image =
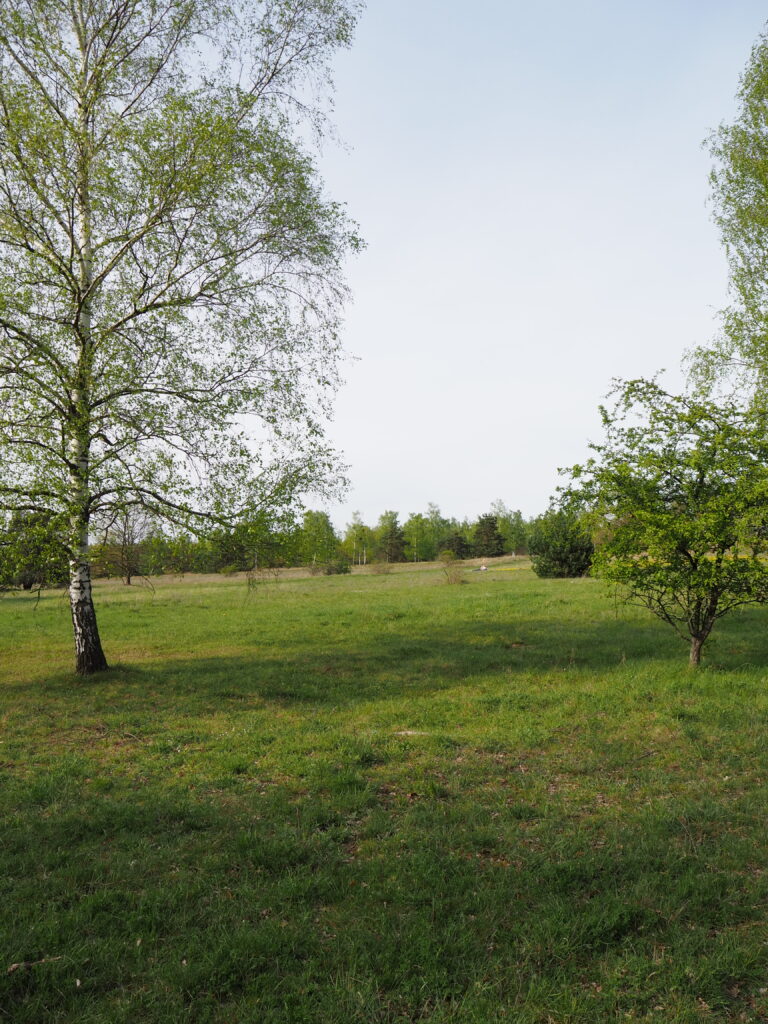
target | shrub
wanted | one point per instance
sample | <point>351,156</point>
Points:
<point>677,497</point>
<point>337,567</point>
<point>451,567</point>
<point>559,545</point>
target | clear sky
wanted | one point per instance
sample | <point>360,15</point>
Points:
<point>531,183</point>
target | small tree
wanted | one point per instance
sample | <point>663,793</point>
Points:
<point>120,553</point>
<point>451,567</point>
<point>389,538</point>
<point>319,543</point>
<point>487,541</point>
<point>678,497</point>
<point>560,545</point>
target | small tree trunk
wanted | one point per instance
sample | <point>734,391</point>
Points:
<point>697,642</point>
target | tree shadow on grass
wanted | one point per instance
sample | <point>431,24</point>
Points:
<point>156,903</point>
<point>415,661</point>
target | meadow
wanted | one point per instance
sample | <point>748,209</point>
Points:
<point>380,799</point>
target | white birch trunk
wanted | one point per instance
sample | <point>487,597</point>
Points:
<point>89,656</point>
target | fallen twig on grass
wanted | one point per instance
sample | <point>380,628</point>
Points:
<point>33,963</point>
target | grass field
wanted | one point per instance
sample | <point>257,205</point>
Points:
<point>379,799</point>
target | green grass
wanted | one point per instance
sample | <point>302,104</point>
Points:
<point>381,799</point>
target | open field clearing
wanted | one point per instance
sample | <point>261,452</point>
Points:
<point>379,799</point>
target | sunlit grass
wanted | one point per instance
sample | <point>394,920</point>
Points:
<point>381,799</point>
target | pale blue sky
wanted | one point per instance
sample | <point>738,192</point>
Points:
<point>532,186</point>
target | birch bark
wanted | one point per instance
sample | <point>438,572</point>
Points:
<point>89,655</point>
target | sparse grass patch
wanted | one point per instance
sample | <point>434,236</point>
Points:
<point>381,799</point>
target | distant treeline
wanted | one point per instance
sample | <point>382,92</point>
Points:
<point>132,545</point>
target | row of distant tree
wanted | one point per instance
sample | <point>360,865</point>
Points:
<point>423,535</point>
<point>132,544</point>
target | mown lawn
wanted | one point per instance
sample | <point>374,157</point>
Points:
<point>381,799</point>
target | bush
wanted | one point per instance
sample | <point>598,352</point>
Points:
<point>559,545</point>
<point>451,567</point>
<point>337,567</point>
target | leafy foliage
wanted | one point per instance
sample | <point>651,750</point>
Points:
<point>739,181</point>
<point>33,553</point>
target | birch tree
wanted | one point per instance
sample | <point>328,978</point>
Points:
<point>169,263</point>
